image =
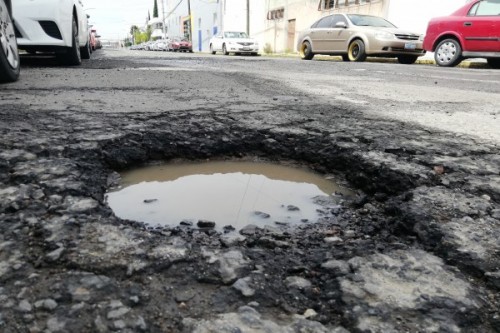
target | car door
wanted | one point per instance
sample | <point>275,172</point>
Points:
<point>217,43</point>
<point>320,34</point>
<point>339,35</point>
<point>480,28</point>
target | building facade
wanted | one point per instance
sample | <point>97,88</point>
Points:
<point>277,23</point>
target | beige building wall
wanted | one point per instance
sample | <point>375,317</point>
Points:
<point>301,14</point>
<point>407,14</point>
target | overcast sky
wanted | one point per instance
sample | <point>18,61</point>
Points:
<point>113,18</point>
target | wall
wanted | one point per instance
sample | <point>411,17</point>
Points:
<point>205,20</point>
<point>414,15</point>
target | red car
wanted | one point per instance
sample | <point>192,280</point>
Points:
<point>180,44</point>
<point>473,31</point>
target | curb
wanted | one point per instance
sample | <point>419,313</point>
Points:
<point>463,64</point>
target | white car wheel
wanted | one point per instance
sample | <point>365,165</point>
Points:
<point>9,55</point>
<point>72,56</point>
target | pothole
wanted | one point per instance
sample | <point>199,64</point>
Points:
<point>224,195</point>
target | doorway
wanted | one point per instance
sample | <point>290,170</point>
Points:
<point>291,36</point>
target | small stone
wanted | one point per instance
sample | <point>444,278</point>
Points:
<point>186,223</point>
<point>147,201</point>
<point>141,324</point>
<point>99,325</point>
<point>338,266</point>
<point>243,285</point>
<point>119,324</point>
<point>297,282</point>
<point>292,208</point>
<point>439,169</point>
<point>232,239</point>
<point>310,313</point>
<point>54,325</point>
<point>182,305</point>
<point>205,224</point>
<point>334,240</point>
<point>134,299</point>
<point>349,234</point>
<point>25,306</point>
<point>184,296</point>
<point>47,304</point>
<point>262,215</point>
<point>114,314</point>
<point>55,255</point>
<point>249,230</point>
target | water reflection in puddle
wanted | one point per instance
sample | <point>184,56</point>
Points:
<point>227,193</point>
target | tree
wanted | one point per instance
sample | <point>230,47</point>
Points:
<point>133,30</point>
<point>155,9</point>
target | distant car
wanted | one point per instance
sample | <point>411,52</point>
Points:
<point>473,31</point>
<point>161,45</point>
<point>58,26</point>
<point>93,40</point>
<point>9,55</point>
<point>356,37</point>
<point>180,44</point>
<point>233,41</point>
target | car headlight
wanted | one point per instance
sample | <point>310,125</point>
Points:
<point>421,38</point>
<point>384,35</point>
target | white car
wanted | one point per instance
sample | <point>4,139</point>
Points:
<point>235,42</point>
<point>58,26</point>
<point>9,56</point>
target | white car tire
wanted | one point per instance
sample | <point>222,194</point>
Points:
<point>9,55</point>
<point>72,56</point>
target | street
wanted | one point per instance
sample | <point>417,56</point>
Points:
<point>416,250</point>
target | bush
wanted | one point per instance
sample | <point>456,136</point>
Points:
<point>268,49</point>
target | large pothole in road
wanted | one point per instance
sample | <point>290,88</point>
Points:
<point>225,195</point>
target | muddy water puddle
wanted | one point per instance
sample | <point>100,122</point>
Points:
<point>227,193</point>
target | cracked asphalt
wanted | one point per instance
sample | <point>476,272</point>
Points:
<point>416,250</point>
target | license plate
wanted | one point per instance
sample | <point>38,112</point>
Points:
<point>410,46</point>
<point>246,49</point>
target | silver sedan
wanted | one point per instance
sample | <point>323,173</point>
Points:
<point>355,37</point>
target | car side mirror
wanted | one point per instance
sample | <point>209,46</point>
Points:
<point>341,25</point>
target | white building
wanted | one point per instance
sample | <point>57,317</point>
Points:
<point>205,20</point>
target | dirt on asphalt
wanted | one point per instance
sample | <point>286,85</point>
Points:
<point>416,250</point>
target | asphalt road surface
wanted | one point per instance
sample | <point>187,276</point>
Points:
<point>416,250</point>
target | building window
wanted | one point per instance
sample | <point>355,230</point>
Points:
<point>331,4</point>
<point>276,14</point>
<point>327,4</point>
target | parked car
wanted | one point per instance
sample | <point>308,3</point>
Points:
<point>473,31</point>
<point>234,41</point>
<point>9,55</point>
<point>93,39</point>
<point>180,44</point>
<point>161,45</point>
<point>355,37</point>
<point>58,26</point>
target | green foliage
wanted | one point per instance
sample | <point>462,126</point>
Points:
<point>268,49</point>
<point>134,29</point>
<point>141,36</point>
<point>155,9</point>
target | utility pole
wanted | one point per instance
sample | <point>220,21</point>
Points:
<point>222,12</point>
<point>248,17</point>
<point>190,22</point>
<point>163,18</point>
